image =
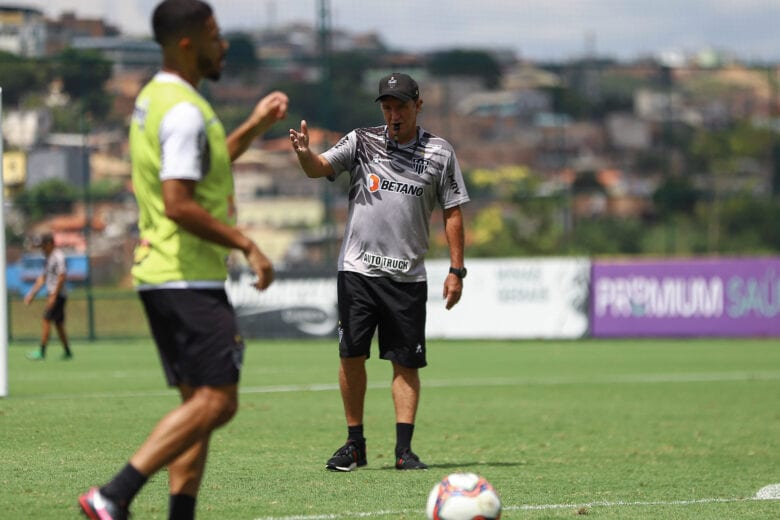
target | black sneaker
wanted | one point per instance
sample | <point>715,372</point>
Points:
<point>408,460</point>
<point>348,457</point>
<point>97,507</point>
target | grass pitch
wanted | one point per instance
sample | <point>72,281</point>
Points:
<point>683,429</point>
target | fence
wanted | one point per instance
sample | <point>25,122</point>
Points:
<point>510,298</point>
<point>102,315</point>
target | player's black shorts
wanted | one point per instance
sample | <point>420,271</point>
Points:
<point>397,309</point>
<point>196,335</point>
<point>57,311</point>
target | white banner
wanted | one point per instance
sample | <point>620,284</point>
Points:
<point>502,299</point>
<point>297,307</point>
<point>512,299</point>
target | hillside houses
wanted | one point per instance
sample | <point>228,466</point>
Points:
<point>614,120</point>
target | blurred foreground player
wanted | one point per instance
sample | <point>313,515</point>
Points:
<point>183,182</point>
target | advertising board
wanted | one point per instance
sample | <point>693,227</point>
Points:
<point>512,299</point>
<point>698,297</point>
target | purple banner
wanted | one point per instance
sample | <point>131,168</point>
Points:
<point>708,297</point>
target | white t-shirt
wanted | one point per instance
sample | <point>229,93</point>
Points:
<point>182,138</point>
<point>55,266</point>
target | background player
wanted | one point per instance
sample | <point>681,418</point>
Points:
<point>53,277</point>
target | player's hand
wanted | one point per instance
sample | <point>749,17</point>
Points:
<point>269,110</point>
<point>453,288</point>
<point>261,266</point>
<point>27,299</point>
<point>300,140</point>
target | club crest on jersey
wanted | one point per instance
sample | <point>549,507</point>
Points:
<point>420,165</point>
<point>376,183</point>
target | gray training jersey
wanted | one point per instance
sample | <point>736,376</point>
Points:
<point>54,267</point>
<point>392,192</point>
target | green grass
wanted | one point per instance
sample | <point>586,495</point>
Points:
<point>685,429</point>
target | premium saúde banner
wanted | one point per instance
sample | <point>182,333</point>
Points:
<point>692,297</point>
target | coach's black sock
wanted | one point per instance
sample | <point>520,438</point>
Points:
<point>403,437</point>
<point>355,433</point>
<point>43,349</point>
<point>67,349</point>
<point>181,507</point>
<point>125,485</point>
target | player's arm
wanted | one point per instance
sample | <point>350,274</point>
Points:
<point>34,289</point>
<point>314,165</point>
<point>181,140</point>
<point>453,230</point>
<point>269,110</point>
<point>182,208</point>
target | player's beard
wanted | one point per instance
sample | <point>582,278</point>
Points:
<point>210,69</point>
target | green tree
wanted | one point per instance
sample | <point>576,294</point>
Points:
<point>676,195</point>
<point>607,236</point>
<point>466,63</point>
<point>720,152</point>
<point>46,198</point>
<point>348,106</point>
<point>241,59</point>
<point>518,220</point>
<point>568,101</point>
<point>587,182</point>
<point>84,75</point>
<point>750,225</point>
<point>20,77</point>
<point>106,189</point>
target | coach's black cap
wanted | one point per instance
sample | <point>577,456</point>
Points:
<point>400,86</point>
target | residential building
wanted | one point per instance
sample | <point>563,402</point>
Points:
<point>22,31</point>
<point>62,32</point>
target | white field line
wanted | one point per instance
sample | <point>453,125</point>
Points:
<point>686,377</point>
<point>528,507</point>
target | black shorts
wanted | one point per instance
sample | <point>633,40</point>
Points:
<point>397,309</point>
<point>196,335</point>
<point>57,312</point>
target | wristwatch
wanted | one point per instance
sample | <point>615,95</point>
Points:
<point>459,272</point>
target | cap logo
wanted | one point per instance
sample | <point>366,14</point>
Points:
<point>392,82</point>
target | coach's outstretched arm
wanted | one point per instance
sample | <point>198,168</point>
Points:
<point>315,166</point>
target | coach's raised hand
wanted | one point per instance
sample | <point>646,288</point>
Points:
<point>300,140</point>
<point>314,166</point>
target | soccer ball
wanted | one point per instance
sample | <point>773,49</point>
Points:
<point>463,496</point>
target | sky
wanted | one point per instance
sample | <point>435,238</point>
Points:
<point>533,29</point>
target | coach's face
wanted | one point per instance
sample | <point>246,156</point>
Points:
<point>400,117</point>
<point>211,49</point>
